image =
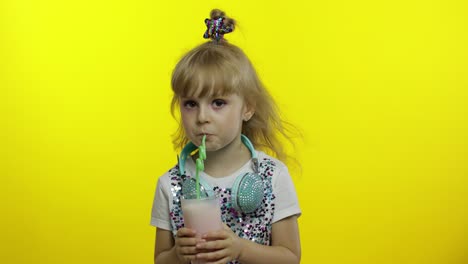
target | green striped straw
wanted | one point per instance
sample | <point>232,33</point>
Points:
<point>199,164</point>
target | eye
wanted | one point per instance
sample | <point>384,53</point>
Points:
<point>189,104</point>
<point>219,103</point>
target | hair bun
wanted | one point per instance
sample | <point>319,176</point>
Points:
<point>218,25</point>
<point>217,13</point>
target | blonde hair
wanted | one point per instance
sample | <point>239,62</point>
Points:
<point>220,68</point>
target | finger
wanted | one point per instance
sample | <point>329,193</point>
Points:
<point>188,241</point>
<point>214,235</point>
<point>212,245</point>
<point>213,256</point>
<point>186,232</point>
<point>188,251</point>
<point>189,258</point>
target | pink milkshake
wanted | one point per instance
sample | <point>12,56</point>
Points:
<point>202,215</point>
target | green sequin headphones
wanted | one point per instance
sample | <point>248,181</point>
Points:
<point>247,190</point>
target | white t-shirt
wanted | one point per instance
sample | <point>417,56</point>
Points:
<point>286,202</point>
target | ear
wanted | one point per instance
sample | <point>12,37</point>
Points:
<point>249,111</point>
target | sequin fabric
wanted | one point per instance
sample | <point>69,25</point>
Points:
<point>215,28</point>
<point>255,226</point>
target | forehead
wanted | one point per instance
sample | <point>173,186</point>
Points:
<point>206,89</point>
<point>207,80</point>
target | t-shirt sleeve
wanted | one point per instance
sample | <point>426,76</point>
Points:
<point>286,202</point>
<point>160,211</point>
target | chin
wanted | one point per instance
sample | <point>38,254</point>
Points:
<point>210,147</point>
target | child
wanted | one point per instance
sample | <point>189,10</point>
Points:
<point>220,96</point>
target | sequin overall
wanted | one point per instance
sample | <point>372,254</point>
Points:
<point>255,226</point>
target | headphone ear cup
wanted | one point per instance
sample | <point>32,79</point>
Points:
<point>247,192</point>
<point>189,188</point>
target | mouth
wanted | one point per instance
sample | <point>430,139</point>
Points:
<point>207,138</point>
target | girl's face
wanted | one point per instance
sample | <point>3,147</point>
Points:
<point>219,118</point>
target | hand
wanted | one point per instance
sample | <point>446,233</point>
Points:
<point>185,243</point>
<point>220,246</point>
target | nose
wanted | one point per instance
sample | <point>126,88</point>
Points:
<point>203,114</point>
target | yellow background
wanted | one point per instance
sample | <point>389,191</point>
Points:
<point>378,88</point>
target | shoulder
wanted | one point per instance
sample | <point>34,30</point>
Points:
<point>279,171</point>
<point>279,165</point>
<point>165,179</point>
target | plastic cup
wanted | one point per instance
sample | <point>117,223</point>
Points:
<point>202,215</point>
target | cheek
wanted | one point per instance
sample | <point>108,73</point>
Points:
<point>185,113</point>
<point>234,119</point>
<point>185,119</point>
